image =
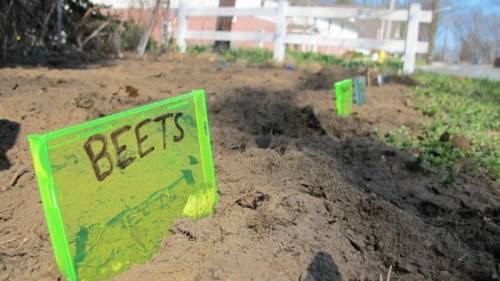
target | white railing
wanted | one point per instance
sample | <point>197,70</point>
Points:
<point>411,46</point>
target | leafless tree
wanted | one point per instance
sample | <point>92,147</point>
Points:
<point>31,24</point>
<point>477,34</point>
<point>224,24</point>
<point>147,32</point>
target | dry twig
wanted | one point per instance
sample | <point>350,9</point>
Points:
<point>10,240</point>
<point>6,209</point>
<point>15,178</point>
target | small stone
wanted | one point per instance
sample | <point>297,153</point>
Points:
<point>379,246</point>
<point>428,243</point>
<point>394,169</point>
<point>305,276</point>
<point>389,260</point>
<point>444,275</point>
<point>335,213</point>
<point>370,239</point>
<point>406,267</point>
<point>439,249</point>
<point>424,271</point>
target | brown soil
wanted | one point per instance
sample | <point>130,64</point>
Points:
<point>304,194</point>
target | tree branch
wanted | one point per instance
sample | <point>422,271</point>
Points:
<point>29,13</point>
<point>94,33</point>
<point>145,36</point>
<point>46,21</point>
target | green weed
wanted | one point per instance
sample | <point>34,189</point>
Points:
<point>355,63</point>
<point>457,106</point>
<point>253,56</point>
<point>198,49</point>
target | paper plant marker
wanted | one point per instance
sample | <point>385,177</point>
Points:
<point>112,187</point>
<point>360,90</point>
<point>343,93</point>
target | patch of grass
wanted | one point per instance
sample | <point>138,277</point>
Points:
<point>310,58</point>
<point>355,63</point>
<point>198,49</point>
<point>254,56</point>
<point>458,106</point>
<point>420,62</point>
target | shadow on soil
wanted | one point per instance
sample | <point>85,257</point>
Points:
<point>270,119</point>
<point>8,134</point>
<point>56,60</point>
<point>323,268</point>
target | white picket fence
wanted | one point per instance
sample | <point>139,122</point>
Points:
<point>411,46</point>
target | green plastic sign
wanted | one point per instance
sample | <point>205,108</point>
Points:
<point>360,90</point>
<point>343,94</point>
<point>111,187</point>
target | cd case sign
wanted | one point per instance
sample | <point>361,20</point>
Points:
<point>111,187</point>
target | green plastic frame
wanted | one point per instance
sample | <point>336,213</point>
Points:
<point>343,93</point>
<point>93,216</point>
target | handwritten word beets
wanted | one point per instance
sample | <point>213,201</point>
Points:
<point>122,162</point>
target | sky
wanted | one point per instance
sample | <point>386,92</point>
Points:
<point>490,6</point>
<point>458,7</point>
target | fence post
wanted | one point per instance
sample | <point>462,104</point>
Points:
<point>281,27</point>
<point>182,29</point>
<point>411,38</point>
<point>260,43</point>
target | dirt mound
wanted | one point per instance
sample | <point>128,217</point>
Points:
<point>304,194</point>
<point>327,76</point>
<point>269,117</point>
<point>405,80</point>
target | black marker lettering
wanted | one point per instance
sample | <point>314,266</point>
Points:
<point>95,158</point>
<point>162,118</point>
<point>120,148</point>
<point>142,139</point>
<point>181,130</point>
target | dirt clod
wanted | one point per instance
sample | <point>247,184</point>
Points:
<point>459,141</point>
<point>132,91</point>
<point>252,200</point>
